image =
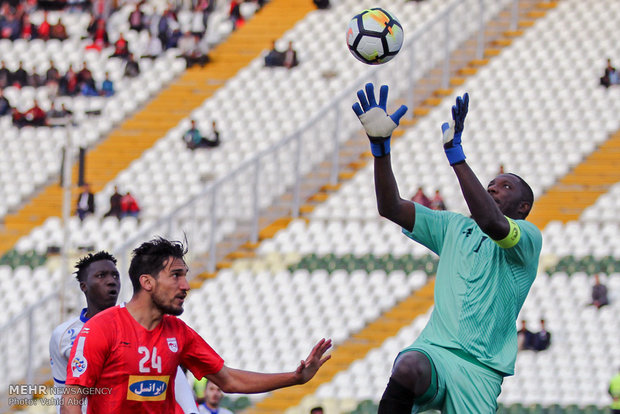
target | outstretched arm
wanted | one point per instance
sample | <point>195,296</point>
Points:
<point>483,208</point>
<point>232,380</point>
<point>379,127</point>
<point>389,202</point>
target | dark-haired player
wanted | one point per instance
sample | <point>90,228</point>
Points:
<point>134,350</point>
<point>487,264</point>
<point>99,280</point>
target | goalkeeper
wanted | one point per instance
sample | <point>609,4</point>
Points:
<point>487,264</point>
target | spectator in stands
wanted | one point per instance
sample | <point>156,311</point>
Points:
<point>5,75</point>
<point>235,15</point>
<point>137,19</point>
<point>9,27</point>
<point>173,38</point>
<point>212,400</point>
<point>191,51</point>
<point>129,206</point>
<point>44,28</point>
<point>115,205</point>
<point>316,410</point>
<point>99,34</point>
<point>525,337</point>
<point>5,105</point>
<point>58,31</point>
<point>102,8</point>
<point>205,7</point>
<point>322,4</point>
<point>121,47</point>
<point>35,116</point>
<point>610,76</point>
<point>501,169</point>
<point>167,25</point>
<point>290,57</point>
<point>542,338</point>
<point>614,392</point>
<point>17,118</point>
<point>193,138</point>
<point>59,117</point>
<point>213,137</point>
<point>154,47</point>
<point>85,202</point>
<point>132,68</point>
<point>28,30</point>
<point>86,81</point>
<point>198,23</point>
<point>599,293</point>
<point>437,202</point>
<point>35,79</point>
<point>107,86</point>
<point>20,77</point>
<point>52,79</point>
<point>421,198</point>
<point>69,84</point>
<point>274,57</point>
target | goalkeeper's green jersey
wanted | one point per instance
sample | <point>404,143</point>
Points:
<point>480,286</point>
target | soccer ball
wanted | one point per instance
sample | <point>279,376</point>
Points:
<point>374,36</point>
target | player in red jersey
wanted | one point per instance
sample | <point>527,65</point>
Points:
<point>125,358</point>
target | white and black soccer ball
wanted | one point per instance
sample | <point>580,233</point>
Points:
<point>374,36</point>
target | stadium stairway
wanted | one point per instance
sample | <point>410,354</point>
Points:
<point>145,127</point>
<point>580,188</point>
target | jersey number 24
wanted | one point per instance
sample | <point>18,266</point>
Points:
<point>155,360</point>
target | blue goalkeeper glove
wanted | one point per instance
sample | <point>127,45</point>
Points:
<point>452,132</point>
<point>375,120</point>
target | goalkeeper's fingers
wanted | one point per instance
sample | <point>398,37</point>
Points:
<point>398,114</point>
<point>370,94</point>
<point>383,95</point>
<point>357,109</point>
<point>363,101</point>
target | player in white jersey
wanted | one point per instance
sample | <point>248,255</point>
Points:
<point>100,281</point>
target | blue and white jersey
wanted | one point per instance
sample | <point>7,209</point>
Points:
<point>60,348</point>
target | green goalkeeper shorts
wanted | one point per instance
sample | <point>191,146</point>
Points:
<point>459,383</point>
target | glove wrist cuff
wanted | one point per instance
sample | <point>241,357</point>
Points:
<point>381,148</point>
<point>455,155</point>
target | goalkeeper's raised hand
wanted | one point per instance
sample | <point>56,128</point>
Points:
<point>452,131</point>
<point>377,123</point>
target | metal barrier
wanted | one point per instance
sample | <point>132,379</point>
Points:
<point>24,341</point>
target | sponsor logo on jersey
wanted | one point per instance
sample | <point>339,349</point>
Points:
<point>172,344</point>
<point>147,388</point>
<point>78,365</point>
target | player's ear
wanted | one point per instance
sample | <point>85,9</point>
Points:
<point>83,286</point>
<point>524,208</point>
<point>146,281</point>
